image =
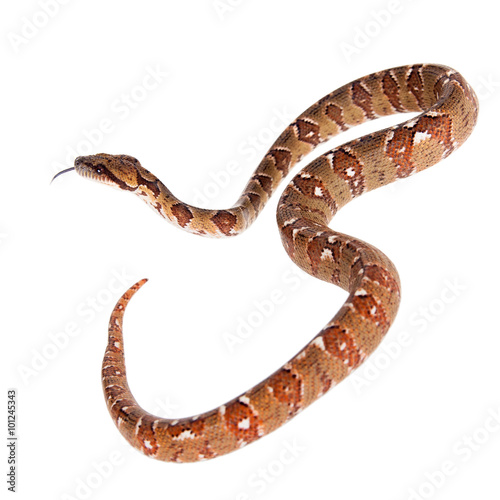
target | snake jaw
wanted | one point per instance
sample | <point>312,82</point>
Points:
<point>101,168</point>
<point>87,174</point>
<point>88,167</point>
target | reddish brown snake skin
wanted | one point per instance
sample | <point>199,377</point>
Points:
<point>448,109</point>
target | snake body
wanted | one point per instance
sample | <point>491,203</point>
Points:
<point>448,109</point>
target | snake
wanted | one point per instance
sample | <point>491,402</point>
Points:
<point>446,108</point>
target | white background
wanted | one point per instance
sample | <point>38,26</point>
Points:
<point>227,72</point>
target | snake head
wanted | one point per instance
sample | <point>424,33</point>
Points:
<point>120,171</point>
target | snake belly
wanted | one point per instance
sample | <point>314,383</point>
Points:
<point>448,111</point>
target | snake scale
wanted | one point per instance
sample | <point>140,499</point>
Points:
<point>448,109</point>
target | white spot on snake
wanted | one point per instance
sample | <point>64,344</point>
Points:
<point>245,400</point>
<point>244,424</point>
<point>373,310</point>
<point>326,254</point>
<point>117,344</point>
<point>361,292</point>
<point>187,434</point>
<point>290,221</point>
<point>343,346</point>
<point>318,342</point>
<point>222,409</point>
<point>318,191</point>
<point>137,426</point>
<point>420,136</point>
<point>410,123</point>
<point>148,444</point>
<point>350,172</point>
